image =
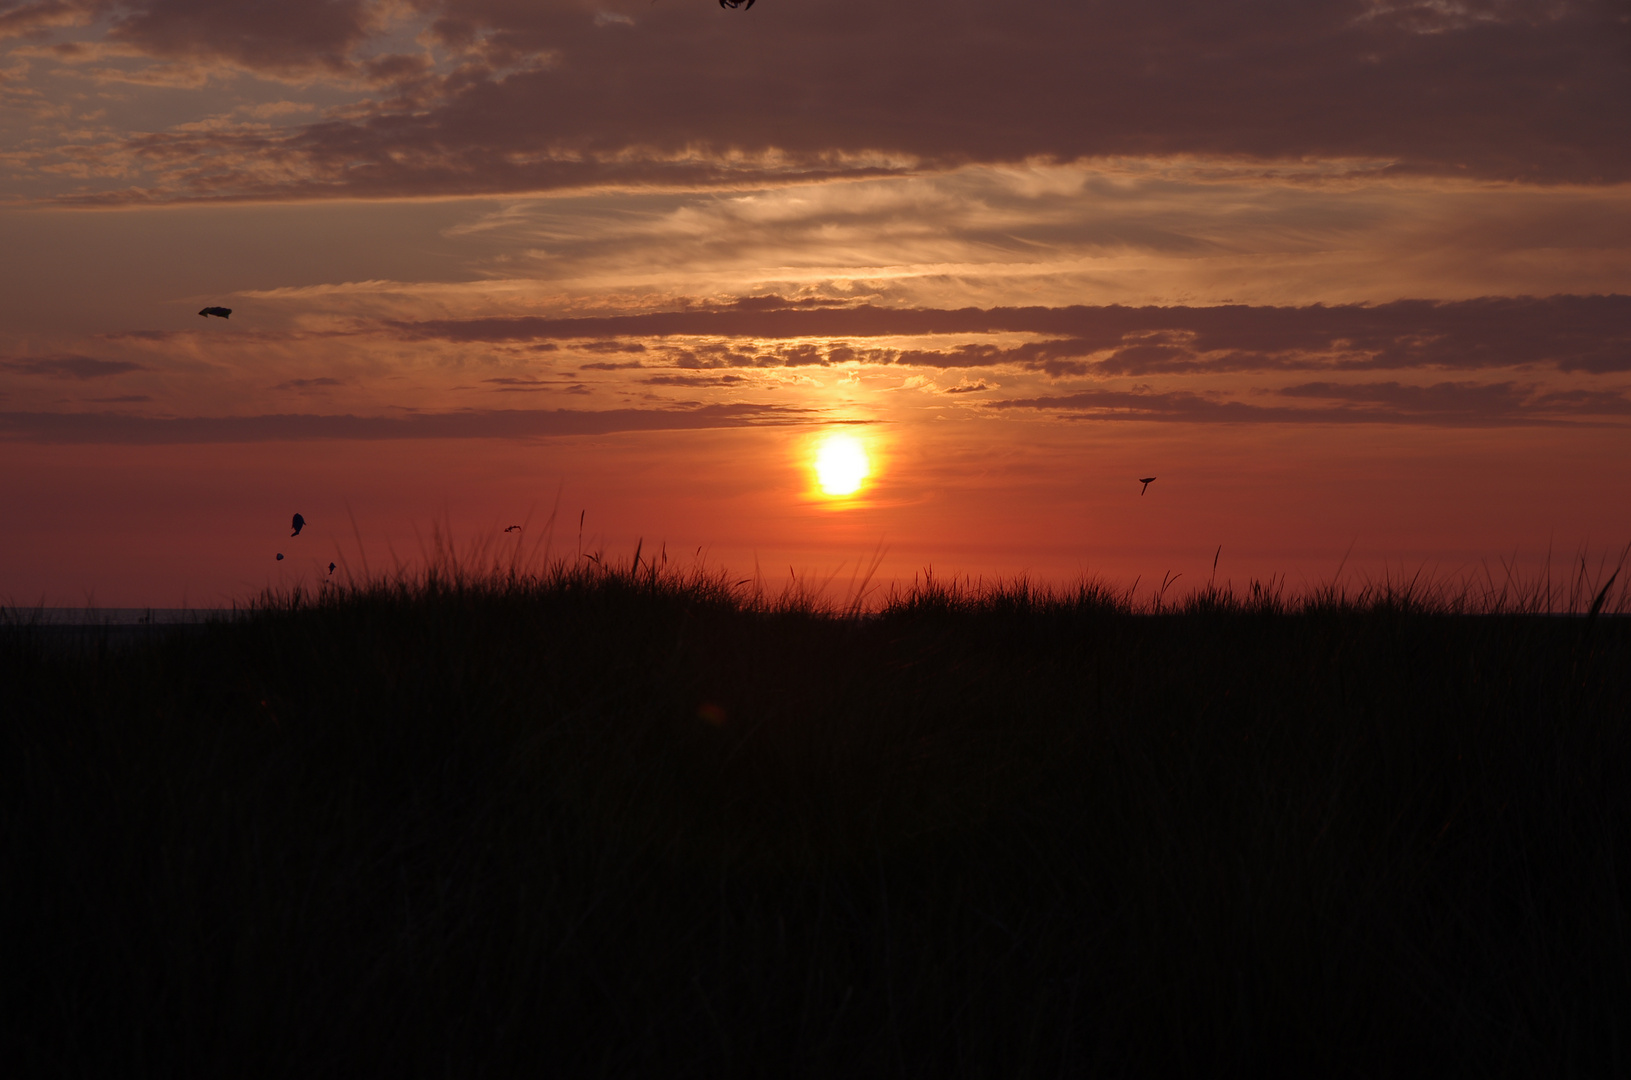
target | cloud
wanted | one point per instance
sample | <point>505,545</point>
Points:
<point>694,380</point>
<point>1462,404</point>
<point>307,384</point>
<point>71,367</point>
<point>560,94</point>
<point>610,347</point>
<point>514,385</point>
<point>287,36</point>
<point>114,428</point>
<point>1486,399</point>
<point>23,19</point>
<point>1569,333</point>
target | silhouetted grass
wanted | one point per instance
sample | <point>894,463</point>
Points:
<point>625,820</point>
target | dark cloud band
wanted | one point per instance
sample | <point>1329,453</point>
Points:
<point>44,427</point>
<point>1568,333</point>
<point>557,94</point>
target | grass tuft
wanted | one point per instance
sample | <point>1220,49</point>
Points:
<point>508,811</point>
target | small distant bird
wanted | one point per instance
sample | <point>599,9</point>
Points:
<point>280,556</point>
<point>512,528</point>
<point>1146,481</point>
<point>331,568</point>
<point>734,4</point>
<point>223,312</point>
<point>298,523</point>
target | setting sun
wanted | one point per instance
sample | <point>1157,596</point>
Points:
<point>841,464</point>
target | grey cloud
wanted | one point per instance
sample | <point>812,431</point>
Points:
<point>1445,397</point>
<point>610,347</point>
<point>1569,333</point>
<point>307,384</point>
<point>1590,402</point>
<point>694,380</point>
<point>1440,405</point>
<point>563,388</point>
<point>540,97</point>
<point>113,428</point>
<point>71,367</point>
<point>288,35</point>
<point>1488,399</point>
<point>514,385</point>
<point>22,19</point>
<point>1178,405</point>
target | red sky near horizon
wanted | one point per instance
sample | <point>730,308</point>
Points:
<point>1352,279</point>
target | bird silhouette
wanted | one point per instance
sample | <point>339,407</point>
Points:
<point>298,523</point>
<point>512,528</point>
<point>223,312</point>
<point>331,568</point>
<point>1146,481</point>
<point>734,4</point>
<point>280,556</point>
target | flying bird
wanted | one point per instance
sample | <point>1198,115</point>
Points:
<point>512,528</point>
<point>1146,481</point>
<point>331,569</point>
<point>280,556</point>
<point>298,523</point>
<point>223,312</point>
<point>734,4</point>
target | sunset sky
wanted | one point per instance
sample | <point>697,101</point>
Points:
<point>1351,279</point>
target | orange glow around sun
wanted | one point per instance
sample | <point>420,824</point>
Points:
<point>841,465</point>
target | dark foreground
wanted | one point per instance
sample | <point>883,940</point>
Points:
<point>605,827</point>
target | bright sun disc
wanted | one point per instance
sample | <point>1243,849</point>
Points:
<point>841,465</point>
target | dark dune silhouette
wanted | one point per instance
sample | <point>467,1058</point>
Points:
<point>223,312</point>
<point>1146,481</point>
<point>298,523</point>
